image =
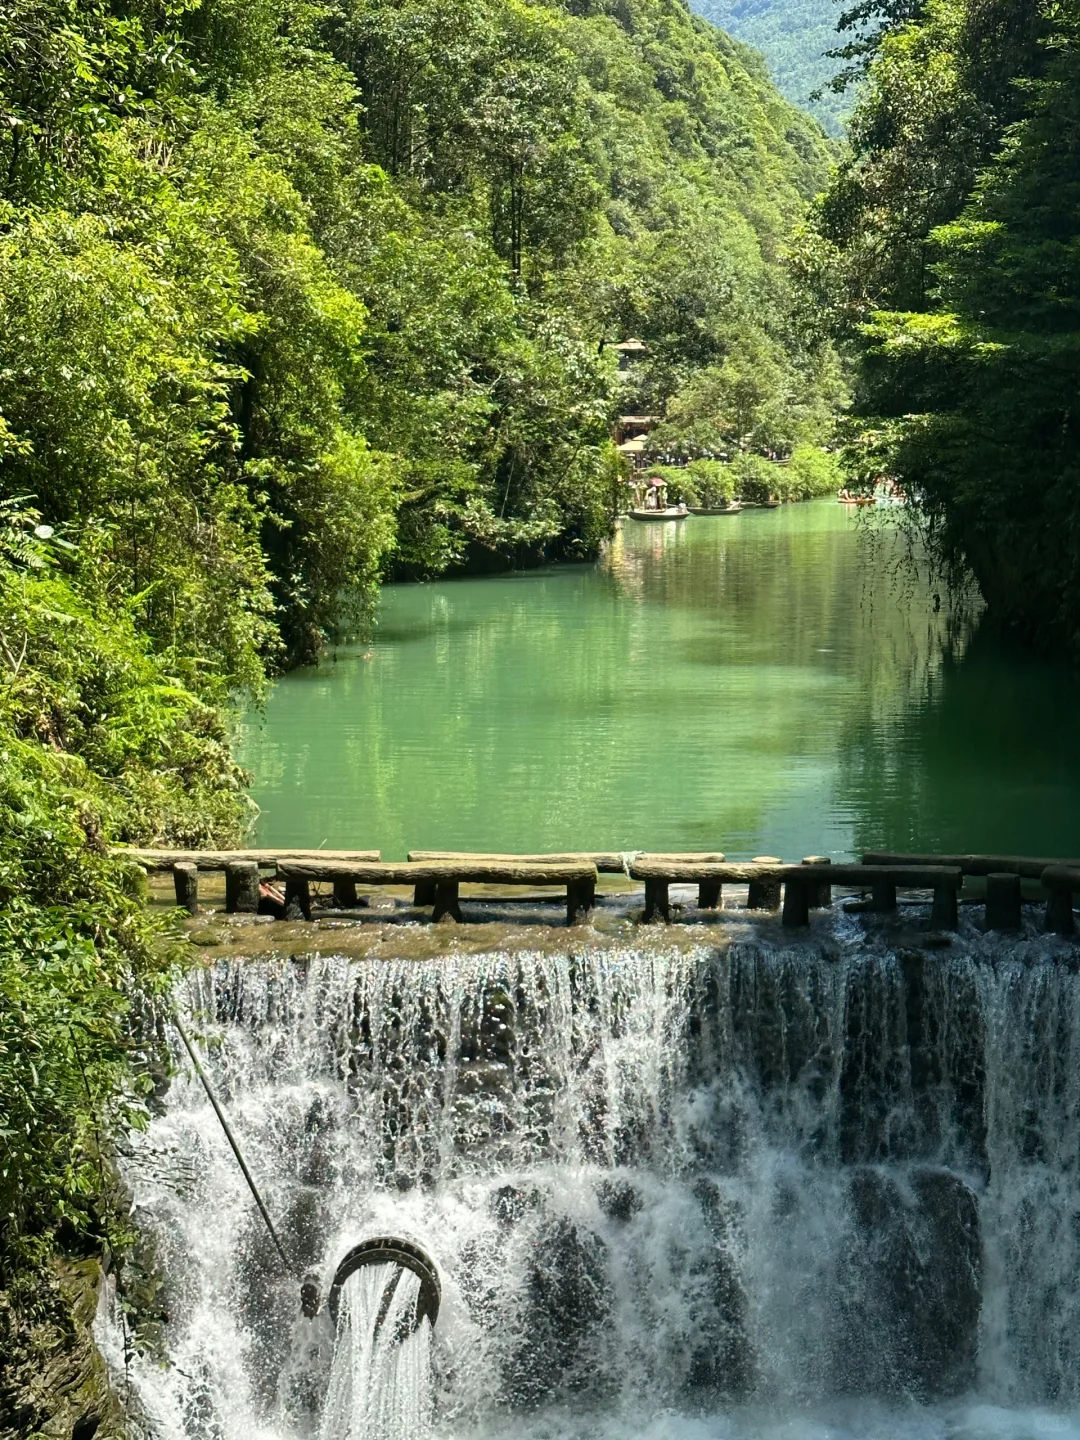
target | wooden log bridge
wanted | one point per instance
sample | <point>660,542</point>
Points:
<point>436,882</point>
<point>805,885</point>
<point>436,877</point>
<point>606,862</point>
<point>242,872</point>
<point>1060,880</point>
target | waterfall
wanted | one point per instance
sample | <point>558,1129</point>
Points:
<point>815,1189</point>
<point>380,1383</point>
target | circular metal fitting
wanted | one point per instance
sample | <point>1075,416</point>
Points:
<point>389,1251</point>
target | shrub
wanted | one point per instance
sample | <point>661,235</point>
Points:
<point>813,472</point>
<point>756,479</point>
<point>713,482</point>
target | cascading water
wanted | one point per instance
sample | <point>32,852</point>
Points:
<point>380,1382</point>
<point>816,1189</point>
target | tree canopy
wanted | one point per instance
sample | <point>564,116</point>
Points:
<point>296,295</point>
<point>945,255</point>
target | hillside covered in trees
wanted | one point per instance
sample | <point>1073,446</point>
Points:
<point>945,255</point>
<point>293,297</point>
<point>330,289</point>
<point>795,36</point>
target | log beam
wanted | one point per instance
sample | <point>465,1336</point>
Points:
<point>165,860</point>
<point>1025,866</point>
<point>607,862</point>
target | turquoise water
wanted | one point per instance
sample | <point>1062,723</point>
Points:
<point>775,682</point>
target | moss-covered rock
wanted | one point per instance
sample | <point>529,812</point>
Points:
<point>53,1379</point>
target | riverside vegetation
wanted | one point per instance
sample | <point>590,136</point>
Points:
<point>945,255</point>
<point>294,296</point>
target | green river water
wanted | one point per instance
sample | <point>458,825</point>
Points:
<point>767,683</point>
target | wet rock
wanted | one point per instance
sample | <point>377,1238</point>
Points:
<point>779,1021</point>
<point>53,1381</point>
<point>200,1414</point>
<point>619,1199</point>
<point>267,1295</point>
<point>721,1359</point>
<point>913,1072</point>
<point>306,1222</point>
<point>508,1205</point>
<point>567,1306</point>
<point>316,1163</point>
<point>911,1286</point>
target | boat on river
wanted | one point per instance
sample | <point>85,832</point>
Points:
<point>733,509</point>
<point>670,512</point>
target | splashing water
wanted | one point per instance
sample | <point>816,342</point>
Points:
<point>380,1384</point>
<point>818,1191</point>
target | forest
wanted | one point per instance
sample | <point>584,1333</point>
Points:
<point>295,297</point>
<point>944,258</point>
<point>299,297</point>
<point>797,38</point>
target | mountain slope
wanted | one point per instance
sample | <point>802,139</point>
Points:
<point>793,35</point>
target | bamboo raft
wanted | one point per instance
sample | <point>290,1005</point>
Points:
<point>435,877</point>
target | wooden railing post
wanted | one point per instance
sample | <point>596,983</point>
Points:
<point>580,899</point>
<point>297,899</point>
<point>884,893</point>
<point>709,894</point>
<point>797,895</point>
<point>820,894</point>
<point>764,892</point>
<point>345,894</point>
<point>1059,882</point>
<point>944,914</point>
<point>657,900</point>
<point>447,901</point>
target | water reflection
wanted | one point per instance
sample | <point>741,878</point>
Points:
<point>763,682</point>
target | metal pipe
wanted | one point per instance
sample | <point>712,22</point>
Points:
<point>231,1139</point>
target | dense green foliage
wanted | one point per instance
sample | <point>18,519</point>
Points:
<point>946,251</point>
<point>761,396</point>
<point>796,38</point>
<point>809,473</point>
<point>294,296</point>
<point>96,741</point>
<point>289,294</point>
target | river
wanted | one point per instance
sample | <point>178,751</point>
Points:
<point>776,682</point>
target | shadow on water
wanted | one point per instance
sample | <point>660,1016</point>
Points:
<point>982,757</point>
